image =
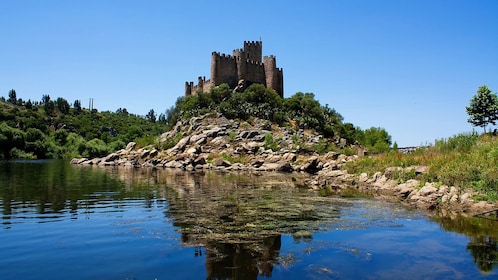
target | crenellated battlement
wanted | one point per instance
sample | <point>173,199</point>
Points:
<point>246,64</point>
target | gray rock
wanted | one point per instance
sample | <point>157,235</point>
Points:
<point>180,146</point>
<point>311,166</point>
<point>198,138</point>
<point>214,132</point>
<point>110,158</point>
<point>427,190</point>
<point>221,162</point>
<point>218,141</point>
<point>130,146</point>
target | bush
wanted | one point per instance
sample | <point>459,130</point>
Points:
<point>95,148</point>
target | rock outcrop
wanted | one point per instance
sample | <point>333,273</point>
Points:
<point>446,200</point>
<point>218,143</point>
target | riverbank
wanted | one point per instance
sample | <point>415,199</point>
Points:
<point>217,143</point>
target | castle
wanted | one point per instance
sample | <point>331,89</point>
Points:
<point>240,70</point>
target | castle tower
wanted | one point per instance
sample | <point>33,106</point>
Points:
<point>254,50</point>
<point>214,68</point>
<point>188,88</point>
<point>271,72</point>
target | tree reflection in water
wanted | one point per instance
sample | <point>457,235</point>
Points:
<point>482,236</point>
<point>239,218</point>
<point>484,250</point>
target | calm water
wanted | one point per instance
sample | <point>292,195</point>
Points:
<point>72,222</point>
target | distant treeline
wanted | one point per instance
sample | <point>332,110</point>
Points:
<point>55,129</point>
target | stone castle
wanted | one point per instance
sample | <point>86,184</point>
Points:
<point>240,70</point>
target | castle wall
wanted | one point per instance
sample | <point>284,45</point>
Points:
<point>224,70</point>
<point>203,85</point>
<point>245,64</point>
<point>255,73</point>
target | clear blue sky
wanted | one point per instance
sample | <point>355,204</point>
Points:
<point>408,66</point>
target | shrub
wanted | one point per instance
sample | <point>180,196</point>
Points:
<point>95,148</point>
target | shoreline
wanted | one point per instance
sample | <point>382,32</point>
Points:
<point>322,172</point>
<point>213,142</point>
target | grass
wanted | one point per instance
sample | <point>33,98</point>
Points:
<point>467,161</point>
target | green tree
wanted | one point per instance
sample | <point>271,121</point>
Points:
<point>151,116</point>
<point>12,96</point>
<point>45,98</point>
<point>77,105</point>
<point>483,108</point>
<point>62,105</point>
<point>29,104</point>
<point>376,139</point>
<point>49,107</point>
<point>162,119</point>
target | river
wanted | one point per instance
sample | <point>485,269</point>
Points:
<point>81,222</point>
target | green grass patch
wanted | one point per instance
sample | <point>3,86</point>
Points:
<point>468,161</point>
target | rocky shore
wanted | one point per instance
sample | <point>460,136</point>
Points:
<point>216,143</point>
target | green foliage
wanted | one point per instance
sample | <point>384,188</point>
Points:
<point>95,148</point>
<point>231,136</point>
<point>170,142</point>
<point>465,161</point>
<point>258,101</point>
<point>270,143</point>
<point>323,146</point>
<point>49,108</point>
<point>77,106</point>
<point>376,140</point>
<point>151,116</point>
<point>483,108</point>
<point>460,143</point>
<point>62,105</point>
<point>65,132</point>
<point>12,96</point>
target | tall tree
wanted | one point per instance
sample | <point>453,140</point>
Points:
<point>151,116</point>
<point>49,108</point>
<point>45,98</point>
<point>483,108</point>
<point>12,96</point>
<point>62,105</point>
<point>77,105</point>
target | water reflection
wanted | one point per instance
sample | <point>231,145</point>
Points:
<point>483,236</point>
<point>239,218</point>
<point>235,221</point>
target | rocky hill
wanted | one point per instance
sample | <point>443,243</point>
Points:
<point>215,142</point>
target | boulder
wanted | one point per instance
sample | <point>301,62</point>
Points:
<point>180,146</point>
<point>130,146</point>
<point>198,139</point>
<point>419,169</point>
<point>110,158</point>
<point>221,162</point>
<point>214,132</point>
<point>427,190</point>
<point>405,189</point>
<point>311,166</point>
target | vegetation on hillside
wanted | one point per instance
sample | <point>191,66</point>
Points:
<point>54,129</point>
<point>301,110</point>
<point>467,161</point>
